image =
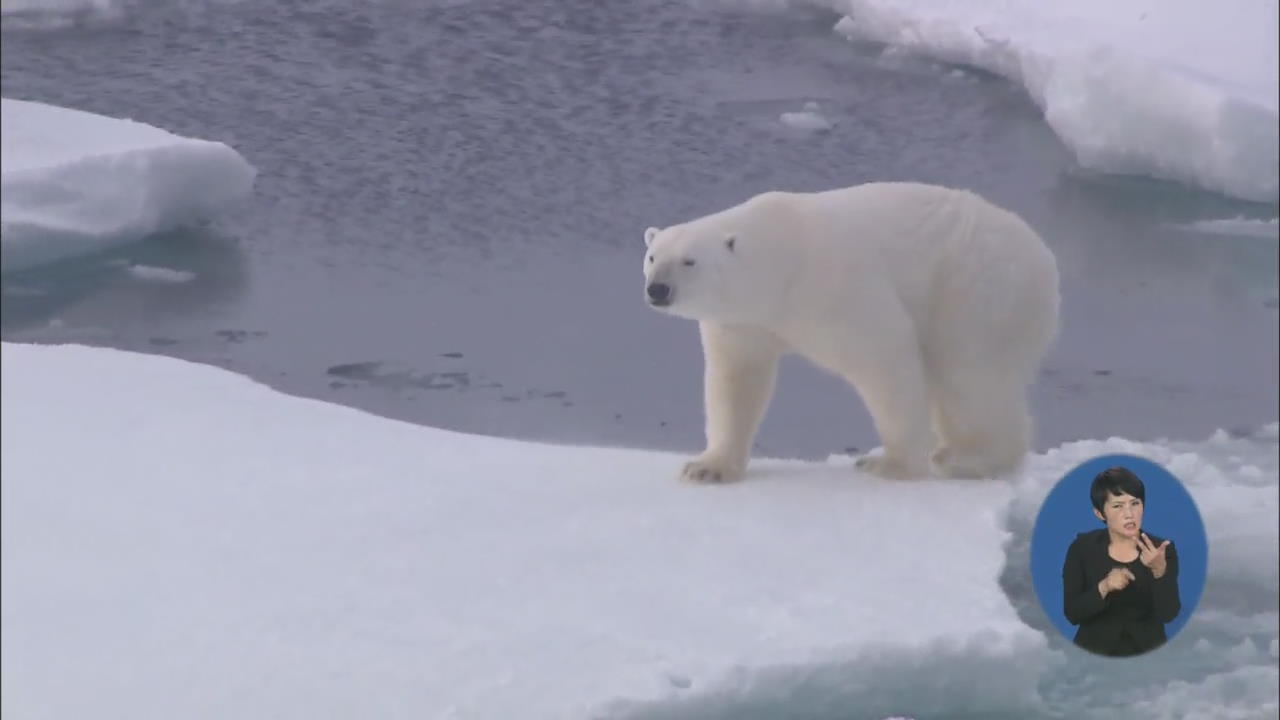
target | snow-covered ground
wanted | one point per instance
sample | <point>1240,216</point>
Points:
<point>76,183</point>
<point>179,541</point>
<point>1175,89</point>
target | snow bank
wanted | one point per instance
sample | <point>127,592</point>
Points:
<point>1175,89</point>
<point>179,541</point>
<point>76,183</point>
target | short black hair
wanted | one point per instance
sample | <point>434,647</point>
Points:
<point>1115,481</point>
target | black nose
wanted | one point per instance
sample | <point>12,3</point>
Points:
<point>659,292</point>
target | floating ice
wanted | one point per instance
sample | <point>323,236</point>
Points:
<point>1175,89</point>
<point>53,14</point>
<point>75,183</point>
<point>809,119</point>
<point>1240,227</point>
<point>22,7</point>
<point>161,274</point>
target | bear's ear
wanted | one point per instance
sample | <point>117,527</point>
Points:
<point>649,235</point>
<point>730,240</point>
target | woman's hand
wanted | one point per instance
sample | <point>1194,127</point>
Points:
<point>1152,556</point>
<point>1118,579</point>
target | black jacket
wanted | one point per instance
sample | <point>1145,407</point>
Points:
<point>1127,622</point>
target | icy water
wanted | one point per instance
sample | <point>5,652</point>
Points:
<point>447,223</point>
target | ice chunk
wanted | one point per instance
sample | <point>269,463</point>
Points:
<point>75,182</point>
<point>809,119</point>
<point>1173,89</point>
<point>53,14</point>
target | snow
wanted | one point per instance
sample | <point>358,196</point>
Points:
<point>181,534</point>
<point>179,541</point>
<point>76,183</point>
<point>1175,89</point>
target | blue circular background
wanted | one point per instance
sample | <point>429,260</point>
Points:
<point>1169,513</point>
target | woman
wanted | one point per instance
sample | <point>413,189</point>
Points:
<point>1120,584</point>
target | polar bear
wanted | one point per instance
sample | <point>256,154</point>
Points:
<point>936,305</point>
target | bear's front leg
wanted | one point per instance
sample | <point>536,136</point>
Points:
<point>739,377</point>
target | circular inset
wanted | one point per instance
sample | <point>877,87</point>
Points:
<point>1119,556</point>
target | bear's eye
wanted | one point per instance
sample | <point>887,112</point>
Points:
<point>650,259</point>
<point>688,262</point>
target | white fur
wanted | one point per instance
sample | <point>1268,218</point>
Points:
<point>936,305</point>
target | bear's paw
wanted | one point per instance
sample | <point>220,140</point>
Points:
<point>710,470</point>
<point>889,468</point>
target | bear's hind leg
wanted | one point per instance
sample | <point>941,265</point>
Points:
<point>893,386</point>
<point>740,374</point>
<point>983,423</point>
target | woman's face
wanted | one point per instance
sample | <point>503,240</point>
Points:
<point>1123,514</point>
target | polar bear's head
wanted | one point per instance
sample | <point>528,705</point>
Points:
<point>714,271</point>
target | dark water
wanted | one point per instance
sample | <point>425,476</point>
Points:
<point>447,223</point>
